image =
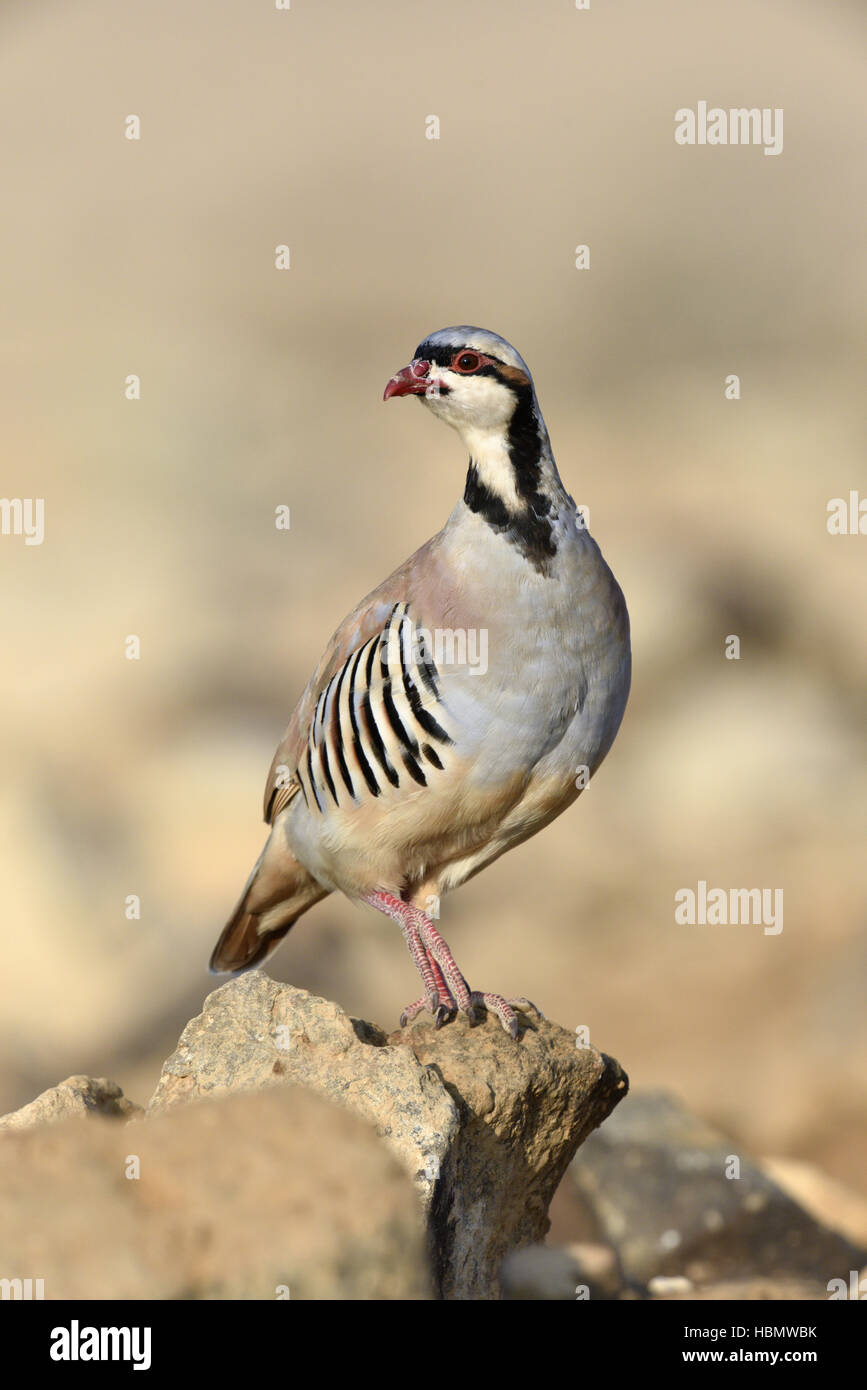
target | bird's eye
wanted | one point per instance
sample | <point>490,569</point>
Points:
<point>466,362</point>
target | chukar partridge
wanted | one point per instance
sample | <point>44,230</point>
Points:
<point>462,705</point>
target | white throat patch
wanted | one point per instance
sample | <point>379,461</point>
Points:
<point>493,464</point>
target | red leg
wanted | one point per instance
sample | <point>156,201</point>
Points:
<point>437,998</point>
<point>446,989</point>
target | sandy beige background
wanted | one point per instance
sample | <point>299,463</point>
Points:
<point>261,387</point>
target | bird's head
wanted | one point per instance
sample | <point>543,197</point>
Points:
<point>470,378</point>
<point>476,382</point>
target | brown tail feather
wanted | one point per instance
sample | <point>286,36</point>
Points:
<point>275,896</point>
<point>243,944</point>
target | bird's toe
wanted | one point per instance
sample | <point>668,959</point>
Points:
<point>441,1006</point>
<point>495,1004</point>
<point>444,1013</point>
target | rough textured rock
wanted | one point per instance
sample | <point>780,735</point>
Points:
<point>255,1032</point>
<point>76,1096</point>
<point>253,1196</point>
<point>561,1273</point>
<point>485,1126</point>
<point>524,1109</point>
<point>656,1178</point>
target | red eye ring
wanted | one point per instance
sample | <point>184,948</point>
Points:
<point>466,362</point>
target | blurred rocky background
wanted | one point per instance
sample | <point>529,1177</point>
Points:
<point>261,387</point>
<point>291,1151</point>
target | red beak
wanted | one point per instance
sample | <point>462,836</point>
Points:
<point>409,381</point>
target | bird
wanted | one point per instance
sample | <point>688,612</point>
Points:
<point>461,706</point>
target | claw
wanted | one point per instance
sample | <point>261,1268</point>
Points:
<point>525,1004</point>
<point>416,1007</point>
<point>443,1011</point>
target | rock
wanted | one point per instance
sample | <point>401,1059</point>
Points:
<point>484,1125</point>
<point>742,1291</point>
<point>254,1032</point>
<point>826,1200</point>
<point>670,1286</point>
<point>561,1274</point>
<point>77,1095</point>
<point>662,1183</point>
<point>266,1196</point>
<point>539,1272</point>
<point>598,1268</point>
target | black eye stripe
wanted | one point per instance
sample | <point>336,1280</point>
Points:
<point>445,356</point>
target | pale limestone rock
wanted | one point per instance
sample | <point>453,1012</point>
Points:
<point>484,1125</point>
<point>77,1095</point>
<point>275,1195</point>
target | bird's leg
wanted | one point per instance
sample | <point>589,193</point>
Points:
<point>447,990</point>
<point>437,998</point>
<point>439,951</point>
<point>443,989</point>
<point>468,1000</point>
<point>441,1004</point>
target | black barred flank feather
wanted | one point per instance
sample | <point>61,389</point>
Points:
<point>371,735</point>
